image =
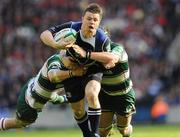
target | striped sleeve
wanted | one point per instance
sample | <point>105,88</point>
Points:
<point>54,62</point>
<point>118,50</point>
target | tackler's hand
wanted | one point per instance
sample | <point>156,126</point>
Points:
<point>80,51</point>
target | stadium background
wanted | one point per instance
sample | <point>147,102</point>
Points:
<point>149,30</point>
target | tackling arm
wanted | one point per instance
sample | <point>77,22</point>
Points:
<point>103,57</point>
<point>56,74</point>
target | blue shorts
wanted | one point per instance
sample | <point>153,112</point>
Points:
<point>75,86</point>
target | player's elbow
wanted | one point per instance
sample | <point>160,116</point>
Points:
<point>44,34</point>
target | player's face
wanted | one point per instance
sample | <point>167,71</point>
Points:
<point>90,23</point>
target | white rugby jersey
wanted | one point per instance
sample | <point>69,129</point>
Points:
<point>40,88</point>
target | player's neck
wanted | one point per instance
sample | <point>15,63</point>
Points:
<point>85,35</point>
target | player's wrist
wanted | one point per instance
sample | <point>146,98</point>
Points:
<point>88,54</point>
<point>70,73</point>
<point>58,45</point>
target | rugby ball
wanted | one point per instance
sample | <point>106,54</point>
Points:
<point>69,35</point>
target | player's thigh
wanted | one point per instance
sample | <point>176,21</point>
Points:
<point>106,119</point>
<point>74,89</point>
<point>23,111</point>
<point>92,84</point>
<point>92,88</point>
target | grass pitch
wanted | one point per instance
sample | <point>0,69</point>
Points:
<point>139,131</point>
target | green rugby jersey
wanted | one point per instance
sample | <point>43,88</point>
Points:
<point>40,88</point>
<point>116,81</point>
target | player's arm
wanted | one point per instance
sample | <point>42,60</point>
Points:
<point>103,57</point>
<point>47,37</point>
<point>119,51</point>
<point>119,54</point>
<point>109,59</point>
<point>56,74</point>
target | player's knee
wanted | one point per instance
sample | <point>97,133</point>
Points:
<point>93,101</point>
<point>92,97</point>
<point>103,132</point>
<point>79,113</point>
<point>92,89</point>
<point>125,130</point>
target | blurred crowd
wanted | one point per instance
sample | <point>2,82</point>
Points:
<point>149,30</point>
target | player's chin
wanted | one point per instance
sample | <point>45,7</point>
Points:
<point>92,32</point>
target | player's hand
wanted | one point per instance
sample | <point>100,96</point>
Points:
<point>109,65</point>
<point>63,44</point>
<point>61,99</point>
<point>80,51</point>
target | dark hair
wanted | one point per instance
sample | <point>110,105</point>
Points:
<point>94,8</point>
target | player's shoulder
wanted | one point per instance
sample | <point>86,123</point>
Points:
<point>102,39</point>
<point>115,44</point>
<point>54,58</point>
<point>101,35</point>
<point>76,25</point>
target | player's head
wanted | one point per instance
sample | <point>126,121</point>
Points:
<point>91,19</point>
<point>94,8</point>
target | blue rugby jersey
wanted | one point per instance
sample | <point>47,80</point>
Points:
<point>100,42</point>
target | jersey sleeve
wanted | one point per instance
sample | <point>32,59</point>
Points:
<point>54,63</point>
<point>57,28</point>
<point>102,41</point>
<point>107,45</point>
<point>119,50</point>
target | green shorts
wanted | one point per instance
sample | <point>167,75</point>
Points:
<point>24,112</point>
<point>122,104</point>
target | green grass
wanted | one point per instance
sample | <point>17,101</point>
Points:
<point>139,131</point>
